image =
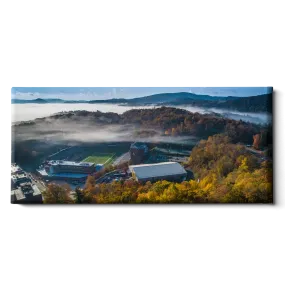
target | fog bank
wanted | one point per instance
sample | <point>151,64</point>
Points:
<point>26,112</point>
<point>55,131</point>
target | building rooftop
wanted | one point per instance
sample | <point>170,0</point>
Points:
<point>46,174</point>
<point>15,168</point>
<point>36,190</point>
<point>23,175</point>
<point>143,171</point>
<point>138,145</point>
<point>19,194</point>
<point>19,177</point>
<point>74,163</point>
<point>25,189</point>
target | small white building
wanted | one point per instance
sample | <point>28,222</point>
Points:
<point>15,169</point>
<point>171,171</point>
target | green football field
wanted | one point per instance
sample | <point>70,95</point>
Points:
<point>100,158</point>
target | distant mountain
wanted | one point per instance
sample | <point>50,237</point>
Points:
<point>172,97</point>
<point>259,103</point>
<point>45,101</point>
<point>54,100</point>
<point>23,101</point>
<point>74,101</point>
<point>110,101</point>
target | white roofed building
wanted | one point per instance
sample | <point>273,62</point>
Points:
<point>15,169</point>
<point>26,193</point>
<point>171,171</point>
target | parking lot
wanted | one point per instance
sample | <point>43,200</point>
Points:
<point>117,175</point>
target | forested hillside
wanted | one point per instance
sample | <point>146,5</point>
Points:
<point>174,121</point>
<point>224,173</point>
<point>165,121</point>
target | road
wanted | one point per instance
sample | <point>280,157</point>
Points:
<point>260,155</point>
<point>40,184</point>
<point>255,151</point>
<point>123,158</point>
<point>115,175</point>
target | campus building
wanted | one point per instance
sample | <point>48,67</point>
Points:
<point>138,152</point>
<point>26,193</point>
<point>18,176</point>
<point>67,170</point>
<point>16,169</point>
<point>170,171</point>
<point>61,166</point>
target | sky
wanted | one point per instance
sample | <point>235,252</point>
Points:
<point>94,93</point>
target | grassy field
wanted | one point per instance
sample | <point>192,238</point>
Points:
<point>101,158</point>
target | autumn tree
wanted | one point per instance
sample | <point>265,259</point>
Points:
<point>57,194</point>
<point>256,141</point>
<point>79,197</point>
<point>87,194</point>
<point>90,182</point>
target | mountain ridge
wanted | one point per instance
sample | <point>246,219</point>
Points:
<point>258,103</point>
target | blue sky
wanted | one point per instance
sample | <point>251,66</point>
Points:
<point>93,93</point>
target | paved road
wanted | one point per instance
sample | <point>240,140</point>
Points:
<point>113,175</point>
<point>38,182</point>
<point>123,158</point>
<point>255,151</point>
<point>40,185</point>
<point>260,155</point>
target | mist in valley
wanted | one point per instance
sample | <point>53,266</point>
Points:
<point>26,112</point>
<point>34,140</point>
<point>85,131</point>
<point>74,132</point>
<point>255,118</point>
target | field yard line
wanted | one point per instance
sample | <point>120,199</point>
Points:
<point>109,159</point>
<point>101,153</point>
<point>60,151</point>
<point>86,158</point>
